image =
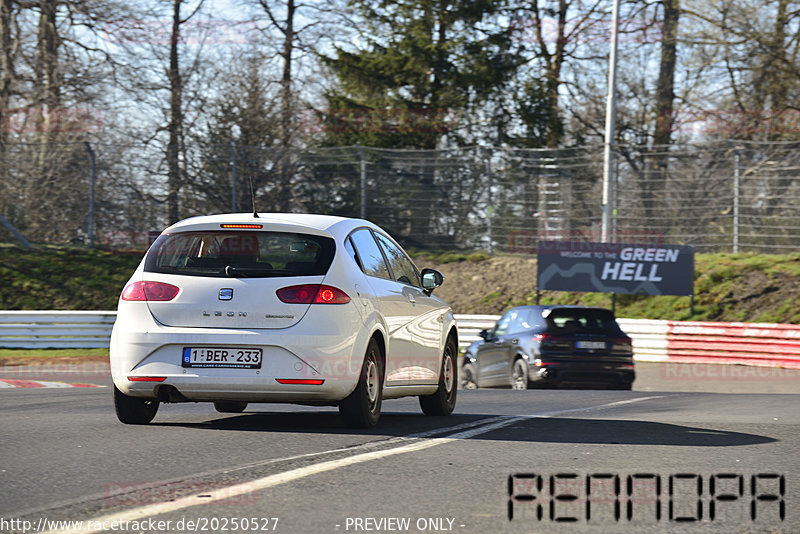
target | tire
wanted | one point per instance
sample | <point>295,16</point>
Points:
<point>134,410</point>
<point>230,406</point>
<point>468,374</point>
<point>362,408</point>
<point>519,375</point>
<point>444,400</point>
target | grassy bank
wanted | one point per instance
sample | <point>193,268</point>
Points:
<point>741,287</point>
<point>55,278</point>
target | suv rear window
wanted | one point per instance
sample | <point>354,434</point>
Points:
<point>566,320</point>
<point>240,254</point>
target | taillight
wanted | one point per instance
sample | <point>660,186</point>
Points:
<point>551,342</point>
<point>312,294</point>
<point>149,291</point>
<point>623,345</point>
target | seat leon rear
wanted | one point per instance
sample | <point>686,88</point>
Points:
<point>309,309</point>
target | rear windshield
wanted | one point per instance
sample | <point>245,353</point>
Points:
<point>566,320</point>
<point>240,254</point>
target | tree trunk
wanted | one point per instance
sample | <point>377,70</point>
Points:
<point>665,95</point>
<point>555,61</point>
<point>7,73</point>
<point>175,127</point>
<point>47,76</point>
<point>656,168</point>
<point>7,77</point>
<point>283,188</point>
<point>46,109</point>
<point>287,107</point>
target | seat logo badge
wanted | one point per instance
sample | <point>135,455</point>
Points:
<point>226,293</point>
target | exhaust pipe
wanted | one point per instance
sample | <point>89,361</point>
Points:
<point>169,393</point>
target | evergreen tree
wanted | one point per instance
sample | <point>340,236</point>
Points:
<point>424,70</point>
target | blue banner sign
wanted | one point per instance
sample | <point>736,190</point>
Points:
<point>615,268</point>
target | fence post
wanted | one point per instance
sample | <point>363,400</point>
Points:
<point>490,215</point>
<point>363,160</point>
<point>736,180</point>
<point>92,177</point>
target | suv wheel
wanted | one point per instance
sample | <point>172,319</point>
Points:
<point>519,375</point>
<point>468,380</point>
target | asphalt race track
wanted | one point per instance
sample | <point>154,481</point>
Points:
<point>691,449</point>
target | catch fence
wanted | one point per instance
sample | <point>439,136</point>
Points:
<point>716,197</point>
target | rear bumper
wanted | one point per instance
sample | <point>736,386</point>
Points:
<point>144,349</point>
<point>581,372</point>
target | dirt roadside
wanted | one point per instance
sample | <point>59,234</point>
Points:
<point>487,286</point>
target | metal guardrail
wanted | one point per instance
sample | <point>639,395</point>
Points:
<point>56,329</point>
<point>470,325</point>
<point>760,344</point>
<point>763,344</point>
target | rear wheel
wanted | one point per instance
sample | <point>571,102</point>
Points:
<point>519,375</point>
<point>444,400</point>
<point>134,410</point>
<point>362,408</point>
<point>230,406</point>
<point>468,377</point>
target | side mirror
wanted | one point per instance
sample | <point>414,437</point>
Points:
<point>484,334</point>
<point>431,279</point>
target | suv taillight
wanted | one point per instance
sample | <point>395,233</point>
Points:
<point>149,291</point>
<point>552,343</point>
<point>622,345</point>
<point>312,294</point>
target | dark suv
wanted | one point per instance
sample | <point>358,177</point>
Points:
<point>551,345</point>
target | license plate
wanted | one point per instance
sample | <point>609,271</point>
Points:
<point>592,345</point>
<point>222,357</point>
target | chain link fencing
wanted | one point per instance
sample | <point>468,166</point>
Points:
<point>724,197</point>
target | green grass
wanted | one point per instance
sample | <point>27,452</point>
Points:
<point>53,278</point>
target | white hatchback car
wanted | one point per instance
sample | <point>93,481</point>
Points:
<point>291,308</point>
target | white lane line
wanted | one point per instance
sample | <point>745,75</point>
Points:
<point>260,484</point>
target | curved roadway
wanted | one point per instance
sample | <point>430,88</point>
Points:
<point>688,442</point>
